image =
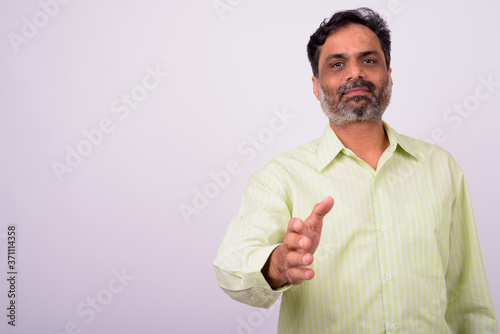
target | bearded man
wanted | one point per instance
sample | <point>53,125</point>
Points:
<point>398,252</point>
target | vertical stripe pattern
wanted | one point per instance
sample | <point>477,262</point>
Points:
<point>398,252</point>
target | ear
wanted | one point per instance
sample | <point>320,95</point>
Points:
<point>390,76</point>
<point>316,87</point>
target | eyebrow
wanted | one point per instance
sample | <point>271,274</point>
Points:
<point>344,55</point>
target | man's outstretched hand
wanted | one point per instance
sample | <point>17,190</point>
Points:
<point>288,262</point>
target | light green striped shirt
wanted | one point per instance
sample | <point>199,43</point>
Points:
<point>398,252</point>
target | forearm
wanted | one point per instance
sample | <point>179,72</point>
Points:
<point>242,279</point>
<point>249,241</point>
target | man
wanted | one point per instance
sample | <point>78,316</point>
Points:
<point>398,252</point>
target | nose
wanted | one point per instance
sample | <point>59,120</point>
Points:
<point>354,71</point>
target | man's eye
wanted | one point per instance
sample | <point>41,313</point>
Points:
<point>336,64</point>
<point>369,61</point>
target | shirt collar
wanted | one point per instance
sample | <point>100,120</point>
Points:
<point>330,145</point>
<point>400,141</point>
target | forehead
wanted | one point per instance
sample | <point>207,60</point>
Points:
<point>351,39</point>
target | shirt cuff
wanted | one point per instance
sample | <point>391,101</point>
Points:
<point>253,270</point>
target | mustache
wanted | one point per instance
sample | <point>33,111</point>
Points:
<point>358,83</point>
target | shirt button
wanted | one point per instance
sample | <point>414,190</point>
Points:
<point>392,327</point>
<point>388,277</point>
<point>383,228</point>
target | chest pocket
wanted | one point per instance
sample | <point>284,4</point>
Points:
<point>427,233</point>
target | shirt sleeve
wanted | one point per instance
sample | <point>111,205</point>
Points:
<point>470,307</point>
<point>249,241</point>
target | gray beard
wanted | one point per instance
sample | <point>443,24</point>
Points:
<point>355,109</point>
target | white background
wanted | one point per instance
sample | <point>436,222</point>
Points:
<point>118,210</point>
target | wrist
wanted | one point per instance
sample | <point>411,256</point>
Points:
<point>271,271</point>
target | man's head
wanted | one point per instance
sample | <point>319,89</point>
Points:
<point>350,59</point>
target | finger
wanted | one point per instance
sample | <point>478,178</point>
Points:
<point>323,207</point>
<point>297,259</point>
<point>297,275</point>
<point>295,241</point>
<point>319,211</point>
<point>295,225</point>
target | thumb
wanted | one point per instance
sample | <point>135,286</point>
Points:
<point>323,207</point>
<point>320,210</point>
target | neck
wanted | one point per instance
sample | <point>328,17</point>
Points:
<point>367,140</point>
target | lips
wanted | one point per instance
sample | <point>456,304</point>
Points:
<point>357,91</point>
<point>357,88</point>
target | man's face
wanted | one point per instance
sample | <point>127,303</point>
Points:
<point>354,84</point>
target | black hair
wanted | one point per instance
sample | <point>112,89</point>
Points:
<point>364,16</point>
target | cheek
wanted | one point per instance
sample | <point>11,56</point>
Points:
<point>382,84</point>
<point>330,88</point>
<point>329,81</point>
<point>330,94</point>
